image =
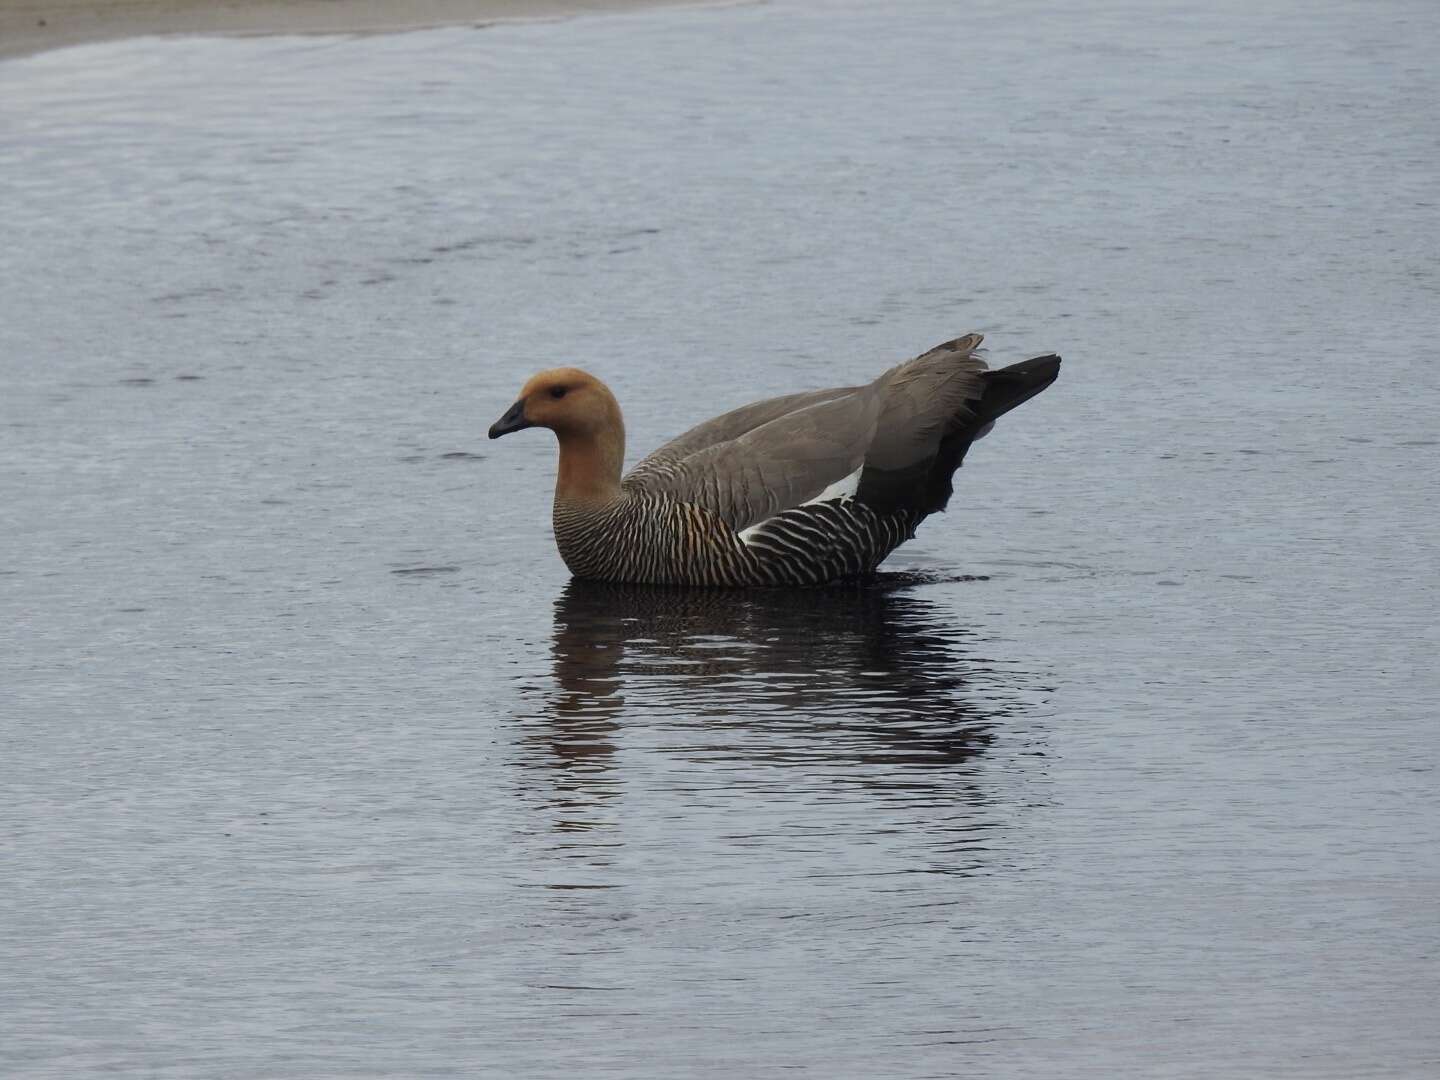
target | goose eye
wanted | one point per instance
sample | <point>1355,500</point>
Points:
<point>557,391</point>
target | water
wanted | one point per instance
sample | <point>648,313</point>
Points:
<point>315,765</point>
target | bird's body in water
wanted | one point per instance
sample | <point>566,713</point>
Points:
<point>796,490</point>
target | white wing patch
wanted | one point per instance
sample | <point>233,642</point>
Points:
<point>844,488</point>
<point>746,535</point>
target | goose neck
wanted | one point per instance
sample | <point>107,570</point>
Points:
<point>590,467</point>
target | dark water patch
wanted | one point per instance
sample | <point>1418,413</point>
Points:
<point>901,579</point>
<point>518,241</point>
<point>208,292</point>
<point>863,674</point>
<point>573,986</point>
<point>461,455</point>
<point>566,886</point>
<point>426,570</point>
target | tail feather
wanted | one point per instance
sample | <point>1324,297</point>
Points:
<point>1005,388</point>
<point>899,479</point>
<point>1010,386</point>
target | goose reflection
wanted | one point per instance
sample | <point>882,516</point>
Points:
<point>866,676</point>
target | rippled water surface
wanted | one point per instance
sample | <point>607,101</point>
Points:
<point>315,765</point>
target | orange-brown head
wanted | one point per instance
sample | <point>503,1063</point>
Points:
<point>566,400</point>
<point>586,419</point>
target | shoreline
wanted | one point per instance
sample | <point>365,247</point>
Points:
<point>28,27</point>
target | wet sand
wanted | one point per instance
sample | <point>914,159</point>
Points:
<point>31,26</point>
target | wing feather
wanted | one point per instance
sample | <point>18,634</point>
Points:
<point>724,428</point>
<point>783,462</point>
<point>762,459</point>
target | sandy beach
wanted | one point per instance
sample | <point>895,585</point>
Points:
<point>31,26</point>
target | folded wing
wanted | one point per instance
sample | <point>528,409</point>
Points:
<point>753,463</point>
<point>900,437</point>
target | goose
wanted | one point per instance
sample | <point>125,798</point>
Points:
<point>803,489</point>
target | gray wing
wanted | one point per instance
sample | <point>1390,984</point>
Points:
<point>926,399</point>
<point>761,459</point>
<point>722,429</point>
<point>809,442</point>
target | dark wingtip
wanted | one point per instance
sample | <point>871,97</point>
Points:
<point>1039,369</point>
<point>1010,386</point>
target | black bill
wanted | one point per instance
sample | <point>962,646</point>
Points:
<point>513,420</point>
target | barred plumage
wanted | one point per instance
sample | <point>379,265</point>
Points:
<point>799,490</point>
<point>660,540</point>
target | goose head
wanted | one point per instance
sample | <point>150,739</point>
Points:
<point>568,401</point>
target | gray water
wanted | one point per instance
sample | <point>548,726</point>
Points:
<point>314,764</point>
